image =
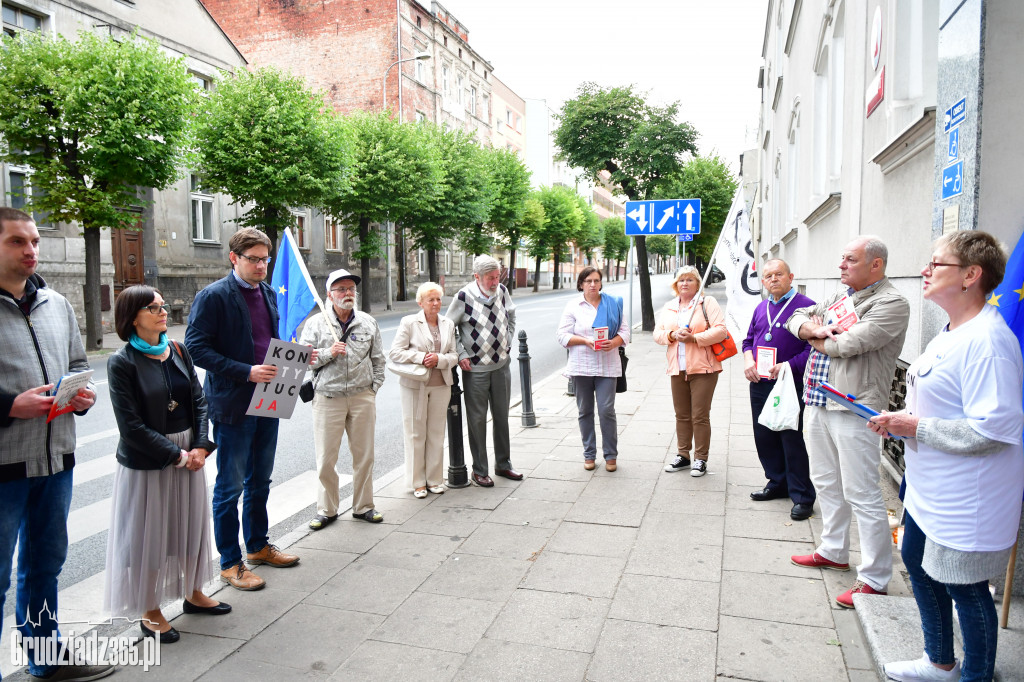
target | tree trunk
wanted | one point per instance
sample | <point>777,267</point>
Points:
<point>556,280</point>
<point>536,276</point>
<point>400,257</point>
<point>270,218</point>
<point>364,264</point>
<point>511,271</point>
<point>93,314</point>
<point>432,264</point>
<point>646,306</point>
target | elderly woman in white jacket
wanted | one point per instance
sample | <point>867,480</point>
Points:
<point>428,339</point>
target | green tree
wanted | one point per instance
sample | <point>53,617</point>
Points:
<point>562,221</point>
<point>616,243</point>
<point>589,236</point>
<point>511,181</point>
<point>478,237</point>
<point>709,179</point>
<point>463,198</point>
<point>96,120</point>
<point>265,139</point>
<point>638,144</point>
<point>393,172</point>
<point>662,246</point>
<point>533,232</point>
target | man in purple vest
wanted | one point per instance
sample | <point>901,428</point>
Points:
<point>229,331</point>
<point>783,454</point>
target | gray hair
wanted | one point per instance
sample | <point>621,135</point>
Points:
<point>482,264</point>
<point>874,248</point>
<point>426,288</point>
<point>783,263</point>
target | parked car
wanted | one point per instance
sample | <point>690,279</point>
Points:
<point>716,275</point>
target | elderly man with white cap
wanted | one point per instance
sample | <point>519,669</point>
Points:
<point>347,372</point>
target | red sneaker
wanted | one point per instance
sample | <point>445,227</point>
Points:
<point>817,561</point>
<point>846,598</point>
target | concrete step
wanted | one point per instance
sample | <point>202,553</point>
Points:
<point>892,629</point>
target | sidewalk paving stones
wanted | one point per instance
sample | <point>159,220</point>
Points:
<point>498,661</point>
<point>751,649</point>
<point>432,622</point>
<point>645,652</point>
<point>666,601</point>
<point>575,574</point>
<point>559,621</point>
<point>365,587</point>
<point>404,662</point>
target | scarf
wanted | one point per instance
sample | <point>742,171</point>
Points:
<point>143,347</point>
<point>609,314</point>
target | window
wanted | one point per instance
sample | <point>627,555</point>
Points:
<point>421,260</point>
<point>460,53</point>
<point>519,123</point>
<point>419,22</point>
<point>421,71</point>
<point>16,19</point>
<point>510,118</point>
<point>487,108</point>
<point>21,192</point>
<point>301,237</point>
<point>459,89</point>
<point>201,82</point>
<point>819,176</point>
<point>474,65</point>
<point>202,211</point>
<point>471,104</point>
<point>420,116</point>
<point>793,167</point>
<point>332,235</point>
<point>446,79</point>
<point>836,80</point>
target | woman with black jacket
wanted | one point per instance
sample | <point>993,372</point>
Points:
<point>158,547</point>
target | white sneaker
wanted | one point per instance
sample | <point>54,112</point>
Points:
<point>698,468</point>
<point>920,669</point>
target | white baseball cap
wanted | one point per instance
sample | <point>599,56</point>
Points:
<point>342,274</point>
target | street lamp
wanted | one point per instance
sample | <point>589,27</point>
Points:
<point>422,56</point>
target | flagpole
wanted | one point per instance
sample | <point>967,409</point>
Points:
<point>305,275</point>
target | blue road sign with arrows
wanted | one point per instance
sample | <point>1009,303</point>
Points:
<point>686,237</point>
<point>665,216</point>
<point>953,180</point>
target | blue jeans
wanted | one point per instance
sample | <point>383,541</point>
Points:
<point>245,461</point>
<point>35,513</point>
<point>974,607</point>
<point>604,389</point>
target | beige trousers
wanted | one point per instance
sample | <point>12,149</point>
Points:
<point>355,415</point>
<point>692,402</point>
<point>423,418</point>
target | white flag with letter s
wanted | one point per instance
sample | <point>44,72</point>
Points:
<point>735,257</point>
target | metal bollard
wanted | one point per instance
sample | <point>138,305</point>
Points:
<point>458,477</point>
<point>570,388</point>
<point>529,419</point>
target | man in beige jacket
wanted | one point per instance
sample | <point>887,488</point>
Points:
<point>348,372</point>
<point>856,336</point>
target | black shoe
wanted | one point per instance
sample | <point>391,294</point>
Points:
<point>169,637</point>
<point>218,610</point>
<point>801,512</point>
<point>678,464</point>
<point>483,481</point>
<point>768,494</point>
<point>510,474</point>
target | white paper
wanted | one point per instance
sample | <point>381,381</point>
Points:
<point>765,361</point>
<point>277,398</point>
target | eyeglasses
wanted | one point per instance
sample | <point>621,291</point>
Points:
<point>343,290</point>
<point>155,309</point>
<point>256,260</point>
<point>592,281</point>
<point>930,267</point>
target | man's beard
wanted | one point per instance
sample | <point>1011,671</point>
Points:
<point>347,304</point>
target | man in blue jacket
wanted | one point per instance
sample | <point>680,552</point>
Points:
<point>229,331</point>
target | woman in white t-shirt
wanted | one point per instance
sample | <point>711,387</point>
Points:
<point>965,465</point>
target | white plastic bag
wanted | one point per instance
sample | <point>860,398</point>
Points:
<point>781,411</point>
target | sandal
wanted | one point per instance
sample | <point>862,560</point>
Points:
<point>373,516</point>
<point>436,489</point>
<point>321,521</point>
<point>419,493</point>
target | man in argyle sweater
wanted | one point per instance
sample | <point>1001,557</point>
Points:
<point>485,322</point>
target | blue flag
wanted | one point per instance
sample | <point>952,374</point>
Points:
<point>295,297</point>
<point>1008,298</point>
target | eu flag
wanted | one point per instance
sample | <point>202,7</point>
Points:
<point>295,297</point>
<point>1008,297</point>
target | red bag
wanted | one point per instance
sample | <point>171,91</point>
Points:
<point>727,348</point>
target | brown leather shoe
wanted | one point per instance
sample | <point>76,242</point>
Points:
<point>483,481</point>
<point>272,556</point>
<point>610,465</point>
<point>589,464</point>
<point>241,578</point>
<point>510,474</point>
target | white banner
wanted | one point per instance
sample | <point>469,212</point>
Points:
<point>735,257</point>
<point>277,398</point>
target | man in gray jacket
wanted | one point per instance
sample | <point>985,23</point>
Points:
<point>485,322</point>
<point>856,336</point>
<point>347,373</point>
<point>41,343</point>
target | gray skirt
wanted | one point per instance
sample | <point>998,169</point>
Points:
<point>158,545</point>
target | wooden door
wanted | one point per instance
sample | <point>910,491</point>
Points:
<point>127,253</point>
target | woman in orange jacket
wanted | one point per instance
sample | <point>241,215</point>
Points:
<point>689,324</point>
